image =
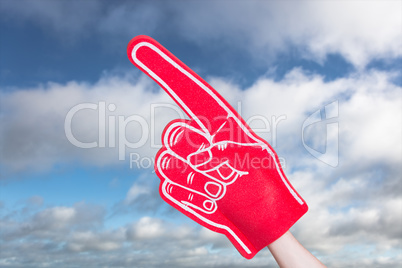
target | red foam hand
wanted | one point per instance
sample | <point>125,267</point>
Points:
<point>214,168</point>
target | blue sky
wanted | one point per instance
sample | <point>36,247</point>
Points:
<point>276,62</point>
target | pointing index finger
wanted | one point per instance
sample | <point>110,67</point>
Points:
<point>195,96</point>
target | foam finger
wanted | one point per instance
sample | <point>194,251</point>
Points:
<point>180,173</point>
<point>195,96</point>
<point>186,199</point>
<point>184,139</point>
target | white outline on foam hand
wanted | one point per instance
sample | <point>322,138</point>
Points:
<point>187,207</point>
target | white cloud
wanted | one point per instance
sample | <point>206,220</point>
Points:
<point>55,218</point>
<point>175,244</point>
<point>84,241</point>
<point>317,28</point>
<point>373,35</point>
<point>369,113</point>
<point>135,191</point>
<point>148,228</point>
<point>34,135</point>
<point>54,224</point>
<point>360,31</point>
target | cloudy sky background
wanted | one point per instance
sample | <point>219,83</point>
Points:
<point>278,63</point>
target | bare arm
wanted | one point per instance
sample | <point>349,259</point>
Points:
<point>289,253</point>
